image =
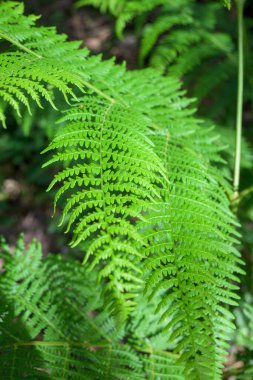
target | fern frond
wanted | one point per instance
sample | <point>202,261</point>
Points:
<point>188,250</point>
<point>153,31</point>
<point>189,232</point>
<point>189,246</point>
<point>29,70</point>
<point>53,324</point>
<point>184,39</point>
<point>177,44</point>
<point>111,178</point>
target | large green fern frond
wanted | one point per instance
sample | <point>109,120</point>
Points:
<point>188,232</point>
<point>110,180</point>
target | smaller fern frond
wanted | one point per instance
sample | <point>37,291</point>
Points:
<point>184,39</point>
<point>53,324</point>
<point>38,61</point>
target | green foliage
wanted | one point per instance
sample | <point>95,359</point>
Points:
<point>51,330</point>
<point>112,177</point>
<point>227,3</point>
<point>244,337</point>
<point>244,321</point>
<point>202,239</point>
<point>191,46</point>
<point>124,10</point>
<point>181,37</point>
<point>29,70</point>
<point>166,219</point>
<point>186,39</point>
<point>142,193</point>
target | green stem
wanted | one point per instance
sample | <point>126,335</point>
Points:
<point>240,6</point>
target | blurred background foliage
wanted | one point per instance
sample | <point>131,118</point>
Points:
<point>206,61</point>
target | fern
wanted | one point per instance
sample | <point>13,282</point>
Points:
<point>50,329</point>
<point>111,178</point>
<point>29,70</point>
<point>185,39</point>
<point>141,191</point>
<point>127,10</point>
<point>187,242</point>
<point>190,266</point>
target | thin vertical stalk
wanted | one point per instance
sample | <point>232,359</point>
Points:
<point>239,112</point>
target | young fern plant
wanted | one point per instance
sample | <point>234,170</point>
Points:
<point>144,200</point>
